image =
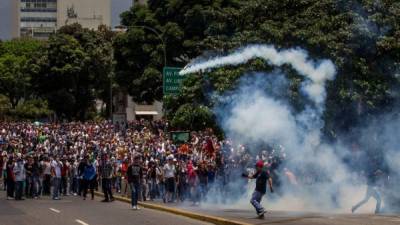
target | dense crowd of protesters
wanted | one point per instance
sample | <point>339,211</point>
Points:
<point>139,159</point>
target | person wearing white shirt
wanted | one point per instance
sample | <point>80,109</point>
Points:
<point>169,174</point>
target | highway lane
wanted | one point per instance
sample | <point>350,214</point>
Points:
<point>76,211</point>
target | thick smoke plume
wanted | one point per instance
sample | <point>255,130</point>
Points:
<point>254,114</point>
<point>318,73</point>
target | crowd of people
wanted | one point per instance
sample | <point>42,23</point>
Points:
<point>138,159</point>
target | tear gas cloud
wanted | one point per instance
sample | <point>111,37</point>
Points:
<point>318,73</point>
<point>255,112</point>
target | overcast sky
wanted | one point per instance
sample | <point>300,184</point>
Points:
<point>117,7</point>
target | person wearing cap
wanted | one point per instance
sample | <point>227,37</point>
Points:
<point>169,174</point>
<point>262,177</point>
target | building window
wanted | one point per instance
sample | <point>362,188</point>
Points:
<point>42,5</point>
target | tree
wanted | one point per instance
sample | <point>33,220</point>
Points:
<point>74,69</point>
<point>14,68</point>
<point>181,26</point>
<point>361,37</point>
<point>31,109</point>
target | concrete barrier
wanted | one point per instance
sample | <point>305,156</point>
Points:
<point>193,215</point>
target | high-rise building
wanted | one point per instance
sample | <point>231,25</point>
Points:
<point>37,18</point>
<point>89,13</point>
<point>40,18</point>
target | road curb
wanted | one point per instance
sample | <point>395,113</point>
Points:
<point>192,215</point>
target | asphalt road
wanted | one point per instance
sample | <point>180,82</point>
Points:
<point>76,211</point>
<point>300,218</point>
<point>291,217</point>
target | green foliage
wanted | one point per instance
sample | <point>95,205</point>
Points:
<point>73,69</point>
<point>15,58</point>
<point>180,25</point>
<point>76,66</point>
<point>361,37</point>
<point>193,117</point>
<point>31,109</point>
<point>5,106</point>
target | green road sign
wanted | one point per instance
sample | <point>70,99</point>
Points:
<point>172,80</point>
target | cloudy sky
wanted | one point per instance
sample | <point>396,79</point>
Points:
<point>117,7</point>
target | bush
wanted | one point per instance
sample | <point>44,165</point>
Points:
<point>31,109</point>
<point>191,117</point>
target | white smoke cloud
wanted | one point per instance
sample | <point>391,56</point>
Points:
<point>317,73</point>
<point>254,114</point>
<point>256,117</point>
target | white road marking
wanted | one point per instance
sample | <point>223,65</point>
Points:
<point>81,222</point>
<point>55,210</point>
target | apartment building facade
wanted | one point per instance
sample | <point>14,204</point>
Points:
<point>40,18</point>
